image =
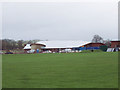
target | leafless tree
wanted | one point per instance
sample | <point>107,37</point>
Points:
<point>97,39</point>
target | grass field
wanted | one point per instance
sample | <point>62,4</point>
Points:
<point>65,70</point>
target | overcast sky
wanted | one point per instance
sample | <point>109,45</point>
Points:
<point>60,21</point>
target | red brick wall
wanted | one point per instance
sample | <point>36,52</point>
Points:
<point>115,44</point>
<point>94,45</point>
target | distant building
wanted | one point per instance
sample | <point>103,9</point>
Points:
<point>115,44</point>
<point>61,46</point>
<point>33,47</point>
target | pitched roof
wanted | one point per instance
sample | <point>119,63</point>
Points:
<point>63,43</point>
<point>38,44</point>
<point>94,43</point>
<point>27,46</point>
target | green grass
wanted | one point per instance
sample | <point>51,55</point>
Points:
<point>65,70</point>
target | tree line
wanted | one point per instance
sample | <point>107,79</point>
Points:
<point>10,44</point>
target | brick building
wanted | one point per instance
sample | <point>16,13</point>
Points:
<point>94,45</point>
<point>115,44</point>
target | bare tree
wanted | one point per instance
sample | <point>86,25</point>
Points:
<point>20,44</point>
<point>9,44</point>
<point>97,39</point>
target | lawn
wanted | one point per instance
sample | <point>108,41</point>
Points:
<point>64,70</point>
